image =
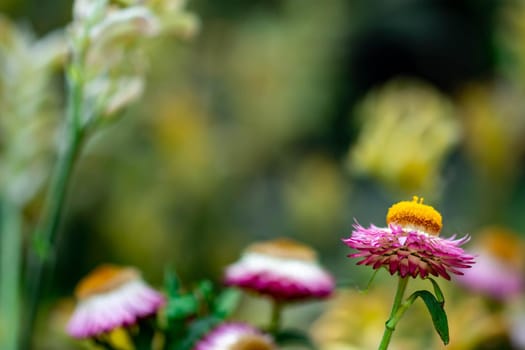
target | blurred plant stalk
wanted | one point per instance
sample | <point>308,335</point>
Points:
<point>27,117</point>
<point>45,234</point>
<point>11,243</point>
<point>104,74</point>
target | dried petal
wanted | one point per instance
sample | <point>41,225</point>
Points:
<point>409,252</point>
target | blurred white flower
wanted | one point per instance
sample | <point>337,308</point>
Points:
<point>88,9</point>
<point>124,23</point>
<point>107,39</point>
<point>28,108</point>
<point>126,90</point>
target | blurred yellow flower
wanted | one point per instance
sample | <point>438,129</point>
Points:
<point>408,128</point>
<point>184,139</point>
<point>493,125</point>
<point>315,196</point>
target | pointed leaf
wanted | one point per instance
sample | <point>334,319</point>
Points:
<point>171,283</point>
<point>226,303</point>
<point>182,307</point>
<point>196,330</point>
<point>437,291</point>
<point>371,280</point>
<point>437,312</point>
<point>205,291</point>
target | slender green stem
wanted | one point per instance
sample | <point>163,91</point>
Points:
<point>143,339</point>
<point>46,232</point>
<point>390,326</point>
<point>10,255</point>
<point>275,321</point>
<point>103,343</point>
<point>45,237</point>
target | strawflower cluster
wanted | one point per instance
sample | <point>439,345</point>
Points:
<point>114,298</point>
<point>283,270</point>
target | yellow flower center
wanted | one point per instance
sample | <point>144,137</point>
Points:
<point>284,248</point>
<point>104,279</point>
<point>252,342</point>
<point>416,215</point>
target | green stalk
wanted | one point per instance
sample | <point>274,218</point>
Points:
<point>275,321</point>
<point>390,326</point>
<point>10,255</point>
<point>46,232</point>
<point>103,343</point>
<point>143,339</point>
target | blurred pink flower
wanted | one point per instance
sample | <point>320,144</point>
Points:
<point>111,297</point>
<point>282,269</point>
<point>498,270</point>
<point>410,245</point>
<point>235,336</point>
<point>492,277</point>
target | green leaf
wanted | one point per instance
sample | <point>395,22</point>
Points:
<point>437,291</point>
<point>205,291</point>
<point>226,303</point>
<point>437,312</point>
<point>175,331</point>
<point>371,280</point>
<point>182,307</point>
<point>196,330</point>
<point>294,337</point>
<point>171,283</point>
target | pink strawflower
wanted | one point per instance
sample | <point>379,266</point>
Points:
<point>235,336</point>
<point>282,269</point>
<point>498,272</point>
<point>111,297</point>
<point>410,245</point>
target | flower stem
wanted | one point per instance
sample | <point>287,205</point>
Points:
<point>103,343</point>
<point>11,249</point>
<point>143,339</point>
<point>45,235</point>
<point>390,326</point>
<point>275,321</point>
